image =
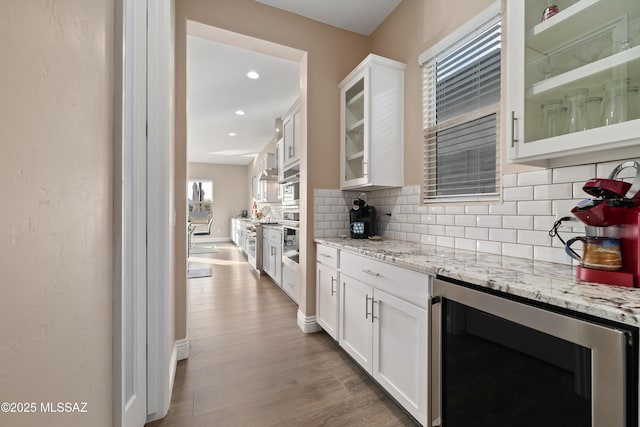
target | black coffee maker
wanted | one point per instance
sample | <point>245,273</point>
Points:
<point>362,220</point>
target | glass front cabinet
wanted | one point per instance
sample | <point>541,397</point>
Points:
<point>371,131</point>
<point>573,72</point>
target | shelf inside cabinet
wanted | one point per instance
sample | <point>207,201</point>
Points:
<point>356,126</point>
<point>359,97</point>
<point>599,71</point>
<point>577,20</point>
<point>356,156</point>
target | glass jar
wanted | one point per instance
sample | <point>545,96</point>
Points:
<point>594,113</point>
<point>615,101</point>
<point>632,103</point>
<point>552,111</point>
<point>576,100</point>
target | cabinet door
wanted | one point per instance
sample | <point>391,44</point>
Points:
<point>289,140</point>
<point>582,60</point>
<point>276,260</point>
<point>280,159</point>
<point>355,323</point>
<point>327,299</point>
<point>400,351</point>
<point>355,131</point>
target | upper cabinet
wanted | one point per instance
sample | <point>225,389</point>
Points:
<point>291,135</point>
<point>572,80</point>
<point>371,125</point>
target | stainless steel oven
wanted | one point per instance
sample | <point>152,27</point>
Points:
<point>503,361</point>
<point>290,244</point>
<point>291,193</point>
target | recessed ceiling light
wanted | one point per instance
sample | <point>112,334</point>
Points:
<point>232,134</point>
<point>253,75</point>
<point>240,113</point>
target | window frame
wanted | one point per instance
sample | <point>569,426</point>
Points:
<point>454,41</point>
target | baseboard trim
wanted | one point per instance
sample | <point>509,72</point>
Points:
<point>182,348</point>
<point>308,324</point>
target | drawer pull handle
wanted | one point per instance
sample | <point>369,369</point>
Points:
<point>373,273</point>
<point>373,301</point>
<point>326,256</point>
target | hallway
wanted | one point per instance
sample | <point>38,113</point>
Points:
<point>250,365</point>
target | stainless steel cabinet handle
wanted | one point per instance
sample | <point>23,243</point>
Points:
<point>373,273</point>
<point>514,120</point>
<point>333,280</point>
<point>373,301</point>
<point>326,256</point>
<point>366,306</point>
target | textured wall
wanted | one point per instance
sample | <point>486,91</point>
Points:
<point>56,213</point>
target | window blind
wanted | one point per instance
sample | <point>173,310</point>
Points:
<point>461,106</point>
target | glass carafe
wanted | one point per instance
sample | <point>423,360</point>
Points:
<point>552,111</point>
<point>615,101</point>
<point>594,113</point>
<point>632,103</point>
<point>576,100</point>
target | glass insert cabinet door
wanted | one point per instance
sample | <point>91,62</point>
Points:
<point>573,77</point>
<point>355,164</point>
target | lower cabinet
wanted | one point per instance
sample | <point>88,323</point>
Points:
<point>387,334</point>
<point>327,290</point>
<point>290,281</point>
<point>272,254</point>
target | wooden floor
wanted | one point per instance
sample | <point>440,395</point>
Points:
<point>250,364</point>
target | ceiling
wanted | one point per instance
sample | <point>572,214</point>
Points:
<point>217,85</point>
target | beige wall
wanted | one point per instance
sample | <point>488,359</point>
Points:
<point>56,81</point>
<point>230,193</point>
<point>331,54</point>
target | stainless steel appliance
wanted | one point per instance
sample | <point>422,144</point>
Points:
<point>290,244</point>
<point>291,193</point>
<point>498,360</point>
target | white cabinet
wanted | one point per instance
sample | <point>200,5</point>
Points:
<point>291,133</point>
<point>290,281</point>
<point>267,192</point>
<point>327,289</point>
<point>272,253</point>
<point>383,326</point>
<point>371,125</point>
<point>572,81</point>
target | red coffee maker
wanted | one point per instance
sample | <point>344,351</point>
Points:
<point>615,213</point>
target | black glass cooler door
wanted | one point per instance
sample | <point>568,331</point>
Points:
<point>499,373</point>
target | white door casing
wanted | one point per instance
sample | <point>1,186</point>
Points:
<point>130,115</point>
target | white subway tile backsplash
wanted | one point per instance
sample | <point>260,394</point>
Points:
<point>521,222</point>
<point>538,207</point>
<point>574,173</point>
<point>539,177</point>
<point>454,209</point>
<point>540,238</point>
<point>467,244</point>
<point>553,191</point>
<point>518,226</point>
<point>505,208</point>
<point>476,210</point>
<point>489,221</point>
<point>517,193</point>
<point>502,235</point>
<point>516,250</point>
<point>510,180</point>
<point>445,219</point>
<point>476,233</point>
<point>466,220</point>
<point>489,247</point>
<point>454,231</point>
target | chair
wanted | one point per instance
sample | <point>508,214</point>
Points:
<point>204,232</point>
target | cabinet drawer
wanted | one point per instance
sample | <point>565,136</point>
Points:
<point>327,256</point>
<point>408,285</point>
<point>275,237</point>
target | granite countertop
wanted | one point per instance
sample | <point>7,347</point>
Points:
<point>545,282</point>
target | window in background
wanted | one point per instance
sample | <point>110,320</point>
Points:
<point>461,107</point>
<point>200,199</point>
